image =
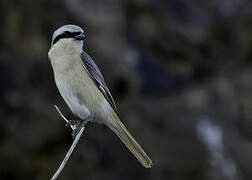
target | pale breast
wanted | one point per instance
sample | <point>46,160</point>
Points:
<point>77,87</point>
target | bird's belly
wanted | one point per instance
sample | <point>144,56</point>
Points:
<point>80,93</point>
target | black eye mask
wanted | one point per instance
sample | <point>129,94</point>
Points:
<point>66,34</point>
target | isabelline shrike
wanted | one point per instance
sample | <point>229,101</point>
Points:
<point>82,86</point>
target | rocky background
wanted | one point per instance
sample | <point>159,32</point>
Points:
<point>180,72</point>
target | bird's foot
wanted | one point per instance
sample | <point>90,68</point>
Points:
<point>71,123</point>
<point>76,125</point>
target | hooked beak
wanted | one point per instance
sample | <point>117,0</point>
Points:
<point>80,36</point>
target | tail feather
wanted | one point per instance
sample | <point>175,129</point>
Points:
<point>120,130</point>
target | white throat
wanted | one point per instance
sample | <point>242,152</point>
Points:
<point>65,47</point>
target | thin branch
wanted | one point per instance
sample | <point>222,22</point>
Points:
<point>60,113</point>
<point>68,154</point>
<point>63,163</point>
<point>63,117</point>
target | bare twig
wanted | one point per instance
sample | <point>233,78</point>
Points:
<point>63,117</point>
<point>68,154</point>
<point>63,163</point>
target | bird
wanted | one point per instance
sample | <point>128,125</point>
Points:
<point>83,88</point>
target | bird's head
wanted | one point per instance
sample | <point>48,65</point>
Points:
<point>68,33</point>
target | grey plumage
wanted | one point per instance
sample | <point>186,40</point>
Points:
<point>83,88</point>
<point>98,78</point>
<point>70,27</point>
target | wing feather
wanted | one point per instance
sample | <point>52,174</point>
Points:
<point>97,77</point>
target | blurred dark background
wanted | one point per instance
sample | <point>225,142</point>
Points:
<point>180,72</point>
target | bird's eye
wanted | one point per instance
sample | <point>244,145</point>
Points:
<point>66,33</point>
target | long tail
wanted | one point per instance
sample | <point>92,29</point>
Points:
<point>120,130</point>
